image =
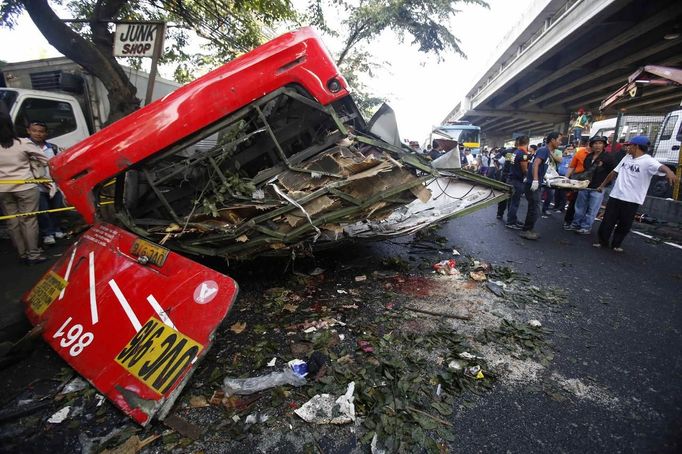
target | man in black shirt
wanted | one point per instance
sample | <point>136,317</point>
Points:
<point>503,161</point>
<point>589,201</point>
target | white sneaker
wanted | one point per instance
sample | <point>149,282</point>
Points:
<point>49,239</point>
<point>59,235</point>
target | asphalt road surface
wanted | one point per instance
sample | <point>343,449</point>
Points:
<point>618,341</point>
<point>621,334</point>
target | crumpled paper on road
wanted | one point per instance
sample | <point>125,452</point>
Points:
<point>326,409</point>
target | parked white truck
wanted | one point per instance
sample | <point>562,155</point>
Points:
<point>667,151</point>
<point>60,93</point>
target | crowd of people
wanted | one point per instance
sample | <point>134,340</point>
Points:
<point>595,161</point>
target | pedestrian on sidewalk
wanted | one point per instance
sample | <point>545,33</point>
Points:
<point>633,175</point>
<point>15,164</point>
<point>536,173</point>
<point>588,202</point>
<point>518,170</point>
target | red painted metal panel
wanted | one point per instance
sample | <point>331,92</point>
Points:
<point>298,57</point>
<point>134,331</point>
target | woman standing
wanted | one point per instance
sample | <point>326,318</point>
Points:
<point>15,157</point>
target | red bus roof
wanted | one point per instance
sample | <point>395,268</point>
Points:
<point>298,57</point>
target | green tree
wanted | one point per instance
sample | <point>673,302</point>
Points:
<point>423,22</point>
<point>231,28</point>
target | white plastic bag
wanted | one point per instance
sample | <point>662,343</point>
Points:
<point>254,384</point>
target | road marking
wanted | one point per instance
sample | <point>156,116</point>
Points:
<point>673,245</point>
<point>643,234</point>
<point>652,238</point>
<point>124,304</point>
<point>93,297</point>
<point>68,269</point>
<point>161,312</point>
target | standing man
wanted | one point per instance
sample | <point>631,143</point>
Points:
<point>50,197</point>
<point>503,162</point>
<point>15,164</point>
<point>536,173</point>
<point>588,202</point>
<point>518,169</point>
<point>435,151</point>
<point>576,166</point>
<point>581,122</point>
<point>633,175</point>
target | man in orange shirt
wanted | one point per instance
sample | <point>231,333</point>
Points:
<point>577,165</point>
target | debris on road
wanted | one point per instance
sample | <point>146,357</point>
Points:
<point>446,267</point>
<point>60,416</point>
<point>326,409</point>
<point>255,384</point>
<point>478,276</point>
<point>183,427</point>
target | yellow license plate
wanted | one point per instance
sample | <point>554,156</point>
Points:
<point>156,254</point>
<point>45,292</point>
<point>158,355</point>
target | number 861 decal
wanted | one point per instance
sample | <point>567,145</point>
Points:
<point>74,337</point>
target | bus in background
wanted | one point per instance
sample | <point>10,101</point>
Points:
<point>466,134</point>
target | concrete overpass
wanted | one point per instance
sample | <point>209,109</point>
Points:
<point>566,54</point>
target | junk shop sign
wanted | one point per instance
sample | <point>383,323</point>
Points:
<point>141,39</point>
<point>137,39</point>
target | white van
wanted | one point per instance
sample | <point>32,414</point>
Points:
<point>667,151</point>
<point>667,146</point>
<point>630,126</point>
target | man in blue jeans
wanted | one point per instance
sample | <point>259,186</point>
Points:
<point>589,201</point>
<point>536,173</point>
<point>48,222</point>
<point>517,172</point>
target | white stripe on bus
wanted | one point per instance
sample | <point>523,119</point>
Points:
<point>93,297</point>
<point>68,269</point>
<point>124,304</point>
<point>160,312</point>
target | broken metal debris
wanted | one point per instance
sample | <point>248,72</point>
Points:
<point>253,184</point>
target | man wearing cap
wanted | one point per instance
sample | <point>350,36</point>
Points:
<point>633,175</point>
<point>588,201</point>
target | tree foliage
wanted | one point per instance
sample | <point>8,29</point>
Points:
<point>424,23</point>
<point>230,27</point>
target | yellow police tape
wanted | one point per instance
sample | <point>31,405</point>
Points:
<point>36,213</point>
<point>34,181</point>
<point>54,210</point>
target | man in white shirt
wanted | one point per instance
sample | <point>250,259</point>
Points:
<point>633,175</point>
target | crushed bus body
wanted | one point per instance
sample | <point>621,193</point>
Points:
<point>265,155</point>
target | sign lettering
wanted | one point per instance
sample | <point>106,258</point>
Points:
<point>158,355</point>
<point>136,40</point>
<point>45,292</point>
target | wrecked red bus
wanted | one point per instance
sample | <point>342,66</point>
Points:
<point>267,154</point>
